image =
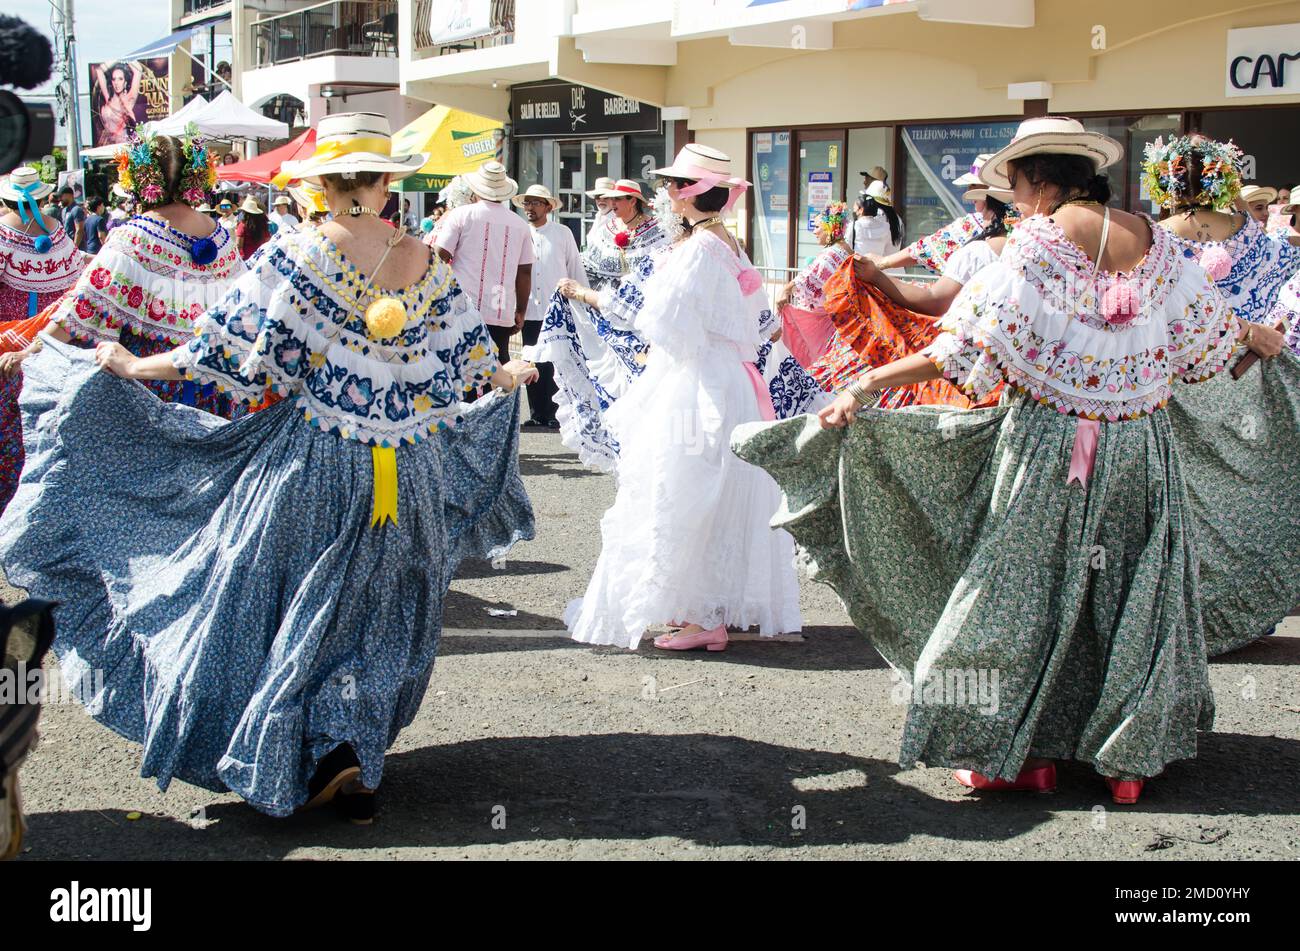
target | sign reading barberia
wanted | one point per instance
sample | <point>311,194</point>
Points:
<point>567,110</point>
<point>1263,61</point>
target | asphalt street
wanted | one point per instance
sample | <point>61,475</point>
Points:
<point>531,746</point>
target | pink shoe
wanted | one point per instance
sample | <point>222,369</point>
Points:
<point>714,640</point>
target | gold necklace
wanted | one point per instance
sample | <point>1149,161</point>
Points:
<point>358,210</point>
<point>707,222</point>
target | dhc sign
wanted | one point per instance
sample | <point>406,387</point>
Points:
<point>1264,61</point>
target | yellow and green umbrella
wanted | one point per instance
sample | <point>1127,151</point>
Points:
<point>457,142</point>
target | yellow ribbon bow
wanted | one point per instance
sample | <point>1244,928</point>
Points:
<point>330,151</point>
<point>385,504</point>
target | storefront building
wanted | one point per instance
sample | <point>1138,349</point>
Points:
<point>565,136</point>
<point>809,93</point>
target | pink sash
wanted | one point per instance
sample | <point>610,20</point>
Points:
<point>761,393</point>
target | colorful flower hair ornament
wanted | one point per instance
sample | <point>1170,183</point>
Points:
<point>831,220</point>
<point>140,174</point>
<point>1167,166</point>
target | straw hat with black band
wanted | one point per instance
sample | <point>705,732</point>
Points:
<point>1051,135</point>
<point>491,183</point>
<point>541,193</point>
<point>1255,193</point>
<point>603,184</point>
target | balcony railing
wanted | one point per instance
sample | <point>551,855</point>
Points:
<point>500,30</point>
<point>201,6</point>
<point>341,28</point>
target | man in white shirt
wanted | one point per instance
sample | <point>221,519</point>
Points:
<point>490,251</point>
<point>555,256</point>
<point>281,216</point>
<point>604,205</point>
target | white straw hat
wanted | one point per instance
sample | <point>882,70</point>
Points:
<point>695,161</point>
<point>624,188</point>
<point>602,184</point>
<point>983,191</point>
<point>1253,193</point>
<point>251,206</point>
<point>1051,135</point>
<point>281,200</point>
<point>491,182</point>
<point>537,191</point>
<point>26,178</point>
<point>354,142</point>
<point>973,176</point>
<point>880,192</point>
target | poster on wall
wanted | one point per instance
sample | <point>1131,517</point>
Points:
<point>820,185</point>
<point>772,176</point>
<point>939,154</point>
<point>451,20</point>
<point>126,94</point>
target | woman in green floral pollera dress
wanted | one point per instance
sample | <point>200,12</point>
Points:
<point>1031,567</point>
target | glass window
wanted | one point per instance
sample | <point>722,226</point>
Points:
<point>936,155</point>
<point>1268,137</point>
<point>771,175</point>
<point>867,149</point>
<point>531,162</point>
<point>1132,132</point>
<point>643,153</point>
<point>821,175</point>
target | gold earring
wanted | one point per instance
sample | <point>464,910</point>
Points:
<point>1038,202</point>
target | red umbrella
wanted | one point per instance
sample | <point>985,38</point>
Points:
<point>265,167</point>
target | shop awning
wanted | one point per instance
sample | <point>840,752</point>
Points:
<point>265,167</point>
<point>457,142</point>
<point>164,47</point>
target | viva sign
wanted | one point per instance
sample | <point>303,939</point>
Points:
<point>1263,61</point>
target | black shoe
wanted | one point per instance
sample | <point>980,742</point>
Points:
<point>552,424</point>
<point>533,424</point>
<point>357,807</point>
<point>339,767</point>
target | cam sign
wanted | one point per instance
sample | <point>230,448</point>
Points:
<point>1263,61</point>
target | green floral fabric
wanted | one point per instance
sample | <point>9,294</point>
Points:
<point>1239,443</point>
<point>959,550</point>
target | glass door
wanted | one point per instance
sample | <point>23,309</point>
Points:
<point>821,181</point>
<point>580,163</point>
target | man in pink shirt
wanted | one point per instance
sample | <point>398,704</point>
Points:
<point>490,251</point>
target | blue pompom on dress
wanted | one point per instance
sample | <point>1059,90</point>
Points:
<point>226,576</point>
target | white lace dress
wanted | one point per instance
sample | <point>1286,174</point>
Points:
<point>687,538</point>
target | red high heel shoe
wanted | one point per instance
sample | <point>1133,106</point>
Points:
<point>1040,779</point>
<point>1125,791</point>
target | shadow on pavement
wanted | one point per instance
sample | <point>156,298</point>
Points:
<point>709,790</point>
<point>563,464</point>
<point>1277,649</point>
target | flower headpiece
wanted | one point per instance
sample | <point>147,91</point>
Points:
<point>140,174</point>
<point>831,219</point>
<point>1165,171</point>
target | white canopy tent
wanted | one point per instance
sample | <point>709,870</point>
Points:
<point>225,117</point>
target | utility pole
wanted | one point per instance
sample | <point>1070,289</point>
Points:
<point>70,75</point>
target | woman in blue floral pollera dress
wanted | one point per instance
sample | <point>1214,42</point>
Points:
<point>265,595</point>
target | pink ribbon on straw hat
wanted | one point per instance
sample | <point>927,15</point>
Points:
<point>707,180</point>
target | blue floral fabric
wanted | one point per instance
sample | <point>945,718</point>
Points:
<point>1261,266</point>
<point>295,323</point>
<point>226,579</point>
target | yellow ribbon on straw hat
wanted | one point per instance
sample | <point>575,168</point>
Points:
<point>332,150</point>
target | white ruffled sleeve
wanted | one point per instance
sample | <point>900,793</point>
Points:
<point>696,294</point>
<point>257,336</point>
